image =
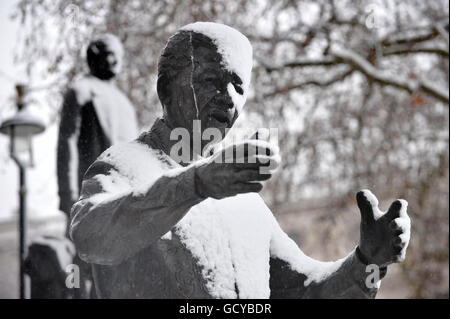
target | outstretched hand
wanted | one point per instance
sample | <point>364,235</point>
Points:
<point>384,237</point>
<point>237,169</point>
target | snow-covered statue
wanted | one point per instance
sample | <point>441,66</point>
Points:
<point>155,227</point>
<point>95,114</point>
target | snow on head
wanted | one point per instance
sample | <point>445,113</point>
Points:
<point>236,51</point>
<point>115,46</point>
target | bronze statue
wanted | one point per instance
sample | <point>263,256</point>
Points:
<point>154,227</point>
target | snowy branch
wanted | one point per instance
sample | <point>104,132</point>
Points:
<point>410,36</point>
<point>306,62</point>
<point>359,63</point>
<point>443,33</point>
<point>325,83</point>
<point>419,48</point>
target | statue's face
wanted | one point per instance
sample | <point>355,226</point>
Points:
<point>102,60</point>
<point>201,90</point>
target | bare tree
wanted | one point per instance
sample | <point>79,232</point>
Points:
<point>358,89</point>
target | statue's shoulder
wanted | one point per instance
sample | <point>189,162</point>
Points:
<point>84,87</point>
<point>135,160</point>
<point>124,154</point>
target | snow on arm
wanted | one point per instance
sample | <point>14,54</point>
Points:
<point>132,196</point>
<point>344,278</point>
<point>284,248</point>
<point>136,168</point>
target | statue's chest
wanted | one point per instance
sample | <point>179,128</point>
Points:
<point>230,239</point>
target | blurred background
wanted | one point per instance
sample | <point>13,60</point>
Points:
<point>358,90</point>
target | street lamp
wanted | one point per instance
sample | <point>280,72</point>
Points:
<point>21,128</point>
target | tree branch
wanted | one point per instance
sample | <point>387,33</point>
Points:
<point>306,62</point>
<point>405,49</point>
<point>410,36</point>
<point>326,83</point>
<point>410,85</point>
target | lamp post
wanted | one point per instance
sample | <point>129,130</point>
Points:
<point>21,128</point>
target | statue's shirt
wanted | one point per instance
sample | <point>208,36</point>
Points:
<point>223,244</point>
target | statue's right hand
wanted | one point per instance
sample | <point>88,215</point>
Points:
<point>236,169</point>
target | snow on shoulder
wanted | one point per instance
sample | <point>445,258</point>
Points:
<point>115,112</point>
<point>234,47</point>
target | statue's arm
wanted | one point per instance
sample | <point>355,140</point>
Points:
<point>67,152</point>
<point>295,275</point>
<point>112,221</point>
<point>384,238</point>
<point>110,226</point>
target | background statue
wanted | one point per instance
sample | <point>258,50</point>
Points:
<point>95,114</point>
<point>156,228</point>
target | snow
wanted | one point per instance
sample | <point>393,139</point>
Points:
<point>235,49</point>
<point>73,162</point>
<point>404,222</point>
<point>113,183</point>
<point>232,239</point>
<point>377,213</point>
<point>369,69</point>
<point>387,77</point>
<point>238,99</point>
<point>440,91</point>
<point>64,248</point>
<point>286,249</point>
<point>114,111</point>
<point>134,179</point>
<point>115,46</point>
<point>167,236</point>
<point>139,176</point>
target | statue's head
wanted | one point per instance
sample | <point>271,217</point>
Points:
<point>204,74</point>
<point>104,56</point>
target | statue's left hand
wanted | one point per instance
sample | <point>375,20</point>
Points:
<point>384,237</point>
